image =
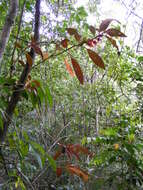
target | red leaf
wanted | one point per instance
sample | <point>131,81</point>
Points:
<point>77,171</point>
<point>59,171</point>
<point>77,37</point>
<point>69,68</point>
<point>77,70</point>
<point>96,58</point>
<point>115,33</point>
<point>104,24</point>
<point>64,43</point>
<point>72,31</point>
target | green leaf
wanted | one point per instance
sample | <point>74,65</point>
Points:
<point>48,96</point>
<point>1,121</point>
<point>51,162</point>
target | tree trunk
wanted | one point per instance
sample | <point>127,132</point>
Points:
<point>20,86</point>
<point>7,27</point>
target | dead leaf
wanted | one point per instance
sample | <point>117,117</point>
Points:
<point>72,31</point>
<point>29,59</point>
<point>64,43</point>
<point>45,56</point>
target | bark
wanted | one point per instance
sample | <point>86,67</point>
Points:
<point>7,26</point>
<point>20,86</point>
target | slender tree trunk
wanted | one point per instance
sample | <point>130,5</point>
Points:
<point>20,86</point>
<point>7,27</point>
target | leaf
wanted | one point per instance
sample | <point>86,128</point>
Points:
<point>57,155</point>
<point>52,162</point>
<point>77,37</point>
<point>92,29</point>
<point>21,62</point>
<point>1,121</point>
<point>17,45</point>
<point>37,49</point>
<point>69,68</point>
<point>77,171</point>
<point>36,83</point>
<point>72,31</point>
<point>115,33</point>
<point>104,24</point>
<point>45,56</point>
<point>59,171</point>
<point>49,96</point>
<point>77,70</point>
<point>64,43</point>
<point>29,59</point>
<point>113,42</point>
<point>96,58</point>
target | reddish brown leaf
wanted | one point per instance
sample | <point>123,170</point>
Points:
<point>69,68</point>
<point>92,29</point>
<point>77,37</point>
<point>57,155</point>
<point>104,24</point>
<point>77,171</point>
<point>113,42</point>
<point>115,33</point>
<point>36,83</point>
<point>29,59</point>
<point>96,58</point>
<point>64,43</point>
<point>59,171</point>
<point>77,70</point>
<point>72,31</point>
<point>29,77</point>
<point>21,62</point>
<point>37,49</point>
<point>45,56</point>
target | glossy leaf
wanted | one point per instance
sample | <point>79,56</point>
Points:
<point>69,68</point>
<point>77,70</point>
<point>115,33</point>
<point>77,171</point>
<point>96,58</point>
<point>29,59</point>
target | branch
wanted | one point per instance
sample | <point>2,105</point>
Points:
<point>21,83</point>
<point>7,27</point>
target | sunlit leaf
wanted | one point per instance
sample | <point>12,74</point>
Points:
<point>36,83</point>
<point>113,42</point>
<point>29,59</point>
<point>69,68</point>
<point>18,45</point>
<point>96,58</point>
<point>49,96</point>
<point>115,33</point>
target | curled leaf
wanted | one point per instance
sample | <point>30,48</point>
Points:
<point>115,33</point>
<point>69,68</point>
<point>77,70</point>
<point>77,171</point>
<point>96,58</point>
<point>113,42</point>
<point>29,59</point>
